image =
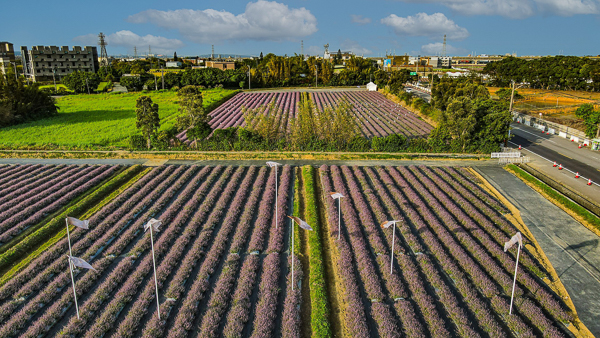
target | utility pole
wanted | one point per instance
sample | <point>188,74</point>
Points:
<point>249,79</point>
<point>54,78</point>
<point>512,95</point>
<point>316,75</point>
<point>86,84</point>
<point>15,66</point>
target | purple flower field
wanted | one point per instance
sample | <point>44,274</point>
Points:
<point>223,268</point>
<point>29,193</point>
<point>451,276</point>
<point>377,115</point>
<point>221,264</point>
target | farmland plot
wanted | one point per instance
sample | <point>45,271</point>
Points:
<point>377,115</point>
<point>221,266</point>
<point>29,193</point>
<point>451,277</point>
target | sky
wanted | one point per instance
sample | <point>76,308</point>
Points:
<point>369,28</point>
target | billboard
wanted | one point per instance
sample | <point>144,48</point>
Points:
<point>387,63</point>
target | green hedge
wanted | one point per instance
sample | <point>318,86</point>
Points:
<point>564,201</point>
<point>51,227</point>
<point>319,316</point>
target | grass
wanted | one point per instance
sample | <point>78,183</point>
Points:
<point>319,315</point>
<point>557,198</point>
<point>58,87</point>
<point>94,121</point>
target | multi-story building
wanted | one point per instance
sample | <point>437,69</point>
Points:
<point>42,62</point>
<point>7,55</point>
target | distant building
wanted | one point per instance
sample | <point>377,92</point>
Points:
<point>173,64</point>
<point>440,62</point>
<point>371,87</point>
<point>7,55</point>
<point>223,65</point>
<point>41,62</point>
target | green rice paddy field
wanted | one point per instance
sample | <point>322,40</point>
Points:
<point>95,121</point>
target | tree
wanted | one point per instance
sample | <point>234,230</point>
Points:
<point>192,116</point>
<point>175,56</point>
<point>20,103</point>
<point>79,81</point>
<point>591,119</point>
<point>133,83</point>
<point>148,120</point>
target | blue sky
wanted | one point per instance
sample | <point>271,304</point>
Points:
<point>370,28</point>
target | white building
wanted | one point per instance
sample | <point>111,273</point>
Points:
<point>173,64</point>
<point>371,87</point>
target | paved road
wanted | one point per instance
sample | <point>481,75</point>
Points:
<point>423,95</point>
<point>573,250</point>
<point>545,149</point>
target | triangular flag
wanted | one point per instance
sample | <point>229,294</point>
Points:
<point>335,195</point>
<point>387,224</point>
<point>273,164</point>
<point>154,223</point>
<point>301,223</point>
<point>516,238</point>
<point>78,223</point>
<point>81,263</point>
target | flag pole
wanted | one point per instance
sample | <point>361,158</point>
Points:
<point>276,188</point>
<point>74,292</point>
<point>68,239</point>
<point>154,264</point>
<point>515,279</point>
<point>392,255</point>
<point>339,217</point>
<point>292,255</point>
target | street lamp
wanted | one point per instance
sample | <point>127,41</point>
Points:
<point>303,225</point>
<point>271,165</point>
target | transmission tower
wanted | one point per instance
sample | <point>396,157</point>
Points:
<point>103,54</point>
<point>302,48</point>
<point>149,51</point>
<point>444,46</point>
<point>212,54</point>
<point>135,52</point>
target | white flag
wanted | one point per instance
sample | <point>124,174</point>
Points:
<point>387,224</point>
<point>335,195</point>
<point>273,164</point>
<point>154,223</point>
<point>80,263</point>
<point>516,238</point>
<point>301,223</point>
<point>78,223</point>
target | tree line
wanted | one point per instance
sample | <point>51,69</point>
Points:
<point>551,73</point>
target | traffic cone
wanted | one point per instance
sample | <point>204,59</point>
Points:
<point>520,147</point>
<point>579,145</point>
<point>554,165</point>
<point>548,133</point>
<point>560,167</point>
<point>577,175</point>
<point>589,182</point>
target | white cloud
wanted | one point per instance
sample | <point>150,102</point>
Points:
<point>355,47</point>
<point>359,19</point>
<point>436,48</point>
<point>518,9</point>
<point>422,24</point>
<point>568,7</point>
<point>262,20</point>
<point>129,39</point>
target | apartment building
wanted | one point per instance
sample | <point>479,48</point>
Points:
<point>42,62</point>
<point>7,55</point>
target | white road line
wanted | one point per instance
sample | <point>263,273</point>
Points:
<point>564,168</point>
<point>537,135</point>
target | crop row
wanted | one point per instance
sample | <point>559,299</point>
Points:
<point>376,115</point>
<point>29,209</point>
<point>451,267</point>
<point>207,212</point>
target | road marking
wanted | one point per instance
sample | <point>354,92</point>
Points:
<point>537,135</point>
<point>563,155</point>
